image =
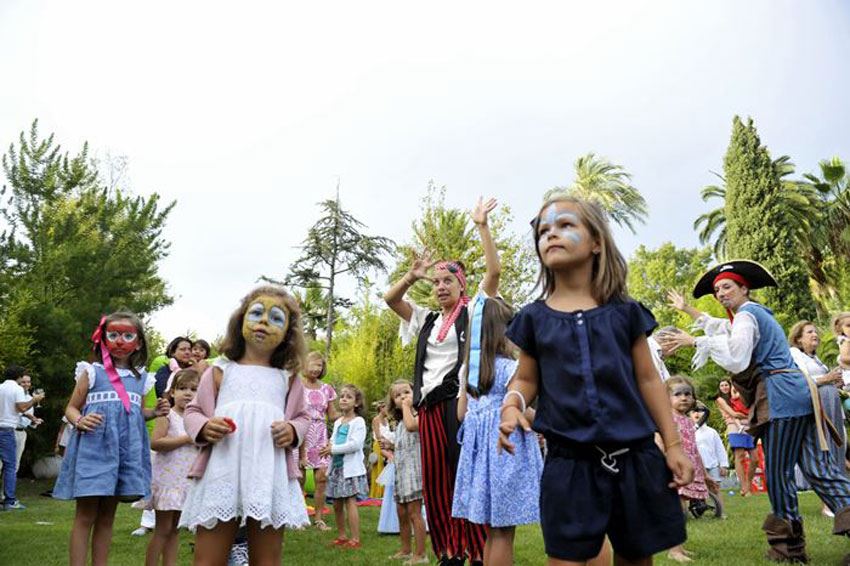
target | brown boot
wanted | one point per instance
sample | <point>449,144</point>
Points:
<point>841,523</point>
<point>786,539</point>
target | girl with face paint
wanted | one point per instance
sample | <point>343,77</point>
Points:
<point>682,401</point>
<point>440,339</point>
<point>250,416</point>
<point>107,459</point>
<point>584,356</point>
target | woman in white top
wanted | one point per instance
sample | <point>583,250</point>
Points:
<point>804,341</point>
<point>441,337</point>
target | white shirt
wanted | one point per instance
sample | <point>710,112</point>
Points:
<point>711,448</point>
<point>657,359</point>
<point>441,356</point>
<point>352,448</point>
<point>10,395</point>
<point>809,364</point>
<point>730,345</point>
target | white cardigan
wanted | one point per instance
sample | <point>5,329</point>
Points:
<point>352,448</point>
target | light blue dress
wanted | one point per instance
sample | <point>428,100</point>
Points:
<point>491,488</point>
<point>114,458</point>
<point>388,520</point>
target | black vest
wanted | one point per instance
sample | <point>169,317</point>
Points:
<point>451,382</point>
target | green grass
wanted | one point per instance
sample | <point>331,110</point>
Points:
<point>737,540</point>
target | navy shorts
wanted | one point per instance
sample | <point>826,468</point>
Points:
<point>585,495</point>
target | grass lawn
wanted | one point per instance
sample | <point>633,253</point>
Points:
<point>39,536</point>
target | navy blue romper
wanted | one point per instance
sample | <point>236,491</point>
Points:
<point>603,472</point>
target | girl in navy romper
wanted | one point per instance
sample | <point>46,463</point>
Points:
<point>585,357</point>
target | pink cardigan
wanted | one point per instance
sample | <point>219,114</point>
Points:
<point>202,408</point>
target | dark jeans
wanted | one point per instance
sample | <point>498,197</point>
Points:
<point>7,455</point>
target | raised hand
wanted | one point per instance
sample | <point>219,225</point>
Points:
<point>421,264</point>
<point>677,300</point>
<point>482,209</point>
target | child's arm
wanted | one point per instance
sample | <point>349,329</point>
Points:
<point>198,418</point>
<point>524,382</point>
<point>355,440</point>
<point>462,402</point>
<point>161,442</point>
<point>493,269</point>
<point>655,397</point>
<point>73,412</point>
<point>411,421</point>
<point>56,446</point>
<point>289,433</point>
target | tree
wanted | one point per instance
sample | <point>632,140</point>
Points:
<point>609,185</point>
<point>795,202</point>
<point>827,243</point>
<point>335,246</point>
<point>448,233</point>
<point>71,251</point>
<point>757,226</point>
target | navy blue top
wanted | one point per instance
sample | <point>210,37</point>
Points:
<point>588,391</point>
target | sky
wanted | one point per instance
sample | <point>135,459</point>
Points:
<point>247,114</point>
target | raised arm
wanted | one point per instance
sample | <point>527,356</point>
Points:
<point>411,420</point>
<point>395,296</point>
<point>677,301</point>
<point>493,269</point>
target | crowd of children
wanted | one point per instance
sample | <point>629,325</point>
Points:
<point>233,438</point>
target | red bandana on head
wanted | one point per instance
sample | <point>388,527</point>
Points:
<point>737,278</point>
<point>111,372</point>
<point>456,270</point>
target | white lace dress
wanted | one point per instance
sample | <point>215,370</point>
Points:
<point>246,476</point>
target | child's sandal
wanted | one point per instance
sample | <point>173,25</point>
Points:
<point>351,544</point>
<point>400,556</point>
<point>339,541</point>
<point>417,560</point>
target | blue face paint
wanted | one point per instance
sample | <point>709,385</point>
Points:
<point>562,223</point>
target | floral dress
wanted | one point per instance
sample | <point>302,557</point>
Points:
<point>170,470</point>
<point>318,401</point>
<point>687,430</point>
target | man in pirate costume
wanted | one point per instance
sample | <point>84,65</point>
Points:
<point>440,338</point>
<point>785,408</point>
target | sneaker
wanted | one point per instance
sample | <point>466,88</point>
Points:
<point>16,506</point>
<point>140,532</point>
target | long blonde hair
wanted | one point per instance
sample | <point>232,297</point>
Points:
<point>608,278</point>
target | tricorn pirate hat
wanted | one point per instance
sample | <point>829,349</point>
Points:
<point>744,271</point>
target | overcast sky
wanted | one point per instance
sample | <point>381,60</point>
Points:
<point>247,113</point>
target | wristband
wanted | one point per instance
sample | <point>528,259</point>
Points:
<point>521,399</point>
<point>676,442</point>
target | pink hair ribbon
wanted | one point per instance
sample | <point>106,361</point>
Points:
<point>111,372</point>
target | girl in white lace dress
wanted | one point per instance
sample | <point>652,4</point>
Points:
<point>250,412</point>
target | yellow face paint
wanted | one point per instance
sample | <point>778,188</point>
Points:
<point>265,323</point>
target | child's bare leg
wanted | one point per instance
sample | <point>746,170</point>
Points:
<point>213,545</point>
<point>84,520</point>
<point>172,545</point>
<point>101,538</point>
<point>339,515</point>
<point>751,472</point>
<point>320,475</point>
<point>160,538</point>
<point>403,527</point>
<point>353,518</point>
<point>501,543</point>
<point>414,511</point>
<point>604,557</point>
<point>620,561</point>
<point>740,455</point>
<point>265,546</point>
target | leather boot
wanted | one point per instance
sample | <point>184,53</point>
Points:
<point>786,539</point>
<point>841,523</point>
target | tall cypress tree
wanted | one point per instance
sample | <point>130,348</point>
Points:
<point>756,225</point>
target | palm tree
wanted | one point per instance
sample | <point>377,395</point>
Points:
<point>610,186</point>
<point>828,241</point>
